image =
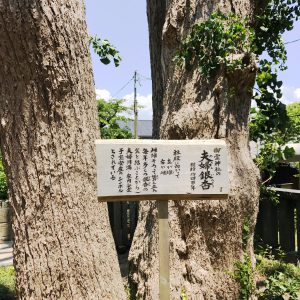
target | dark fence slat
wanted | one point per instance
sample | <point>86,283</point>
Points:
<point>258,226</point>
<point>298,225</point>
<point>286,224</point>
<point>133,208</point>
<point>269,227</point>
<point>117,226</point>
<point>125,231</point>
<point>123,220</point>
<point>274,220</point>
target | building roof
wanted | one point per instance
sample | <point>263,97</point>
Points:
<point>144,127</point>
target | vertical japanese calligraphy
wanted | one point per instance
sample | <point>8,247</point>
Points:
<point>128,170</point>
<point>137,167</point>
<point>177,158</point>
<point>113,164</point>
<point>146,177</point>
<point>205,165</point>
<point>120,170</point>
<point>154,169</point>
<point>193,175</point>
<point>217,157</point>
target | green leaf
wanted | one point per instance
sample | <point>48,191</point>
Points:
<point>105,60</point>
<point>105,51</point>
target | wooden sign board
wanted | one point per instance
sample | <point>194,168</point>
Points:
<point>161,169</point>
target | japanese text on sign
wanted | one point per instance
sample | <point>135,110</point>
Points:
<point>132,167</point>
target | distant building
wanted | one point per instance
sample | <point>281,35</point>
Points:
<point>144,128</point>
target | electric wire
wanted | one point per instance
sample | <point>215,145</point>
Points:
<point>290,42</point>
<point>122,88</point>
<point>144,77</point>
<point>140,78</point>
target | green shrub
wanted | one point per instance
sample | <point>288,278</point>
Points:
<point>244,276</point>
<point>279,285</point>
<point>7,283</point>
<point>281,279</point>
<point>3,183</point>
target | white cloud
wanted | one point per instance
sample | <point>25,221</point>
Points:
<point>103,94</point>
<point>290,94</point>
<point>145,102</point>
<point>297,93</point>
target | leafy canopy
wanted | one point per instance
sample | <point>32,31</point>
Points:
<point>293,112</point>
<point>215,42</point>
<point>110,114</point>
<point>277,17</point>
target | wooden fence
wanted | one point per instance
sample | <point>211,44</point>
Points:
<point>123,218</point>
<point>279,225</point>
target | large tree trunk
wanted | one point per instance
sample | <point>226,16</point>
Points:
<point>63,246</point>
<point>206,236</point>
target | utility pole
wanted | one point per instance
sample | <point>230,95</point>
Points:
<point>135,108</point>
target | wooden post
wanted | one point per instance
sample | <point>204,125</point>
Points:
<point>163,236</point>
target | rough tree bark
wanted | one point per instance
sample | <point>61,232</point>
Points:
<point>63,246</point>
<point>206,236</point>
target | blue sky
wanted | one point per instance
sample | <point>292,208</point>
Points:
<point>124,24</point>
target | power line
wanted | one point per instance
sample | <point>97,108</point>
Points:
<point>145,77</point>
<point>122,88</point>
<point>137,77</point>
<point>294,41</point>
